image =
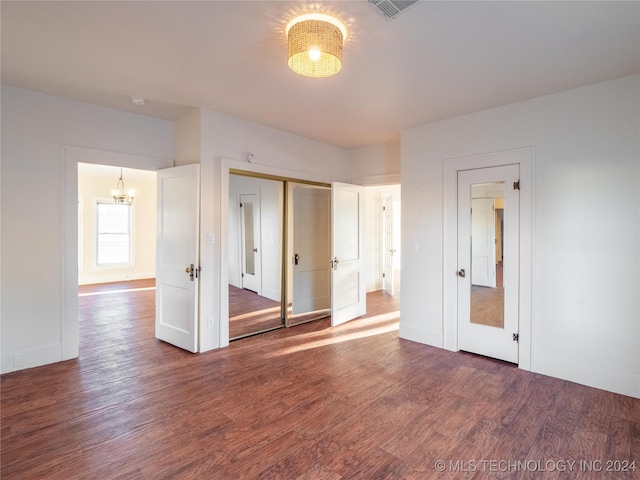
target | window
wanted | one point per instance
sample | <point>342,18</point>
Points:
<point>114,235</point>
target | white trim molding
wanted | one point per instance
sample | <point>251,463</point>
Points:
<point>524,157</point>
<point>70,157</point>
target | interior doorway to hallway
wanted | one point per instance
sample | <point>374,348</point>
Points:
<point>116,246</point>
<point>116,241</point>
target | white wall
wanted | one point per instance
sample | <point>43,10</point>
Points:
<point>375,164</point>
<point>585,318</point>
<point>34,127</point>
<point>223,142</point>
<point>271,223</point>
<point>95,183</point>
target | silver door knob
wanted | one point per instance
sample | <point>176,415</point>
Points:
<point>462,273</point>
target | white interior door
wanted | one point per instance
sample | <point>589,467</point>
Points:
<point>177,256</point>
<point>312,249</point>
<point>250,238</point>
<point>488,315</point>
<point>388,247</point>
<point>348,293</point>
<point>483,247</point>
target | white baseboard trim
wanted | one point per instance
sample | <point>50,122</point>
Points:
<point>421,335</point>
<point>605,379</point>
<point>34,357</point>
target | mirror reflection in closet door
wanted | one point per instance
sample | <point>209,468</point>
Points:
<point>255,255</point>
<point>487,288</point>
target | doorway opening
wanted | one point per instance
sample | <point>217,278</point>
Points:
<point>116,241</point>
<point>305,258</point>
<point>272,231</point>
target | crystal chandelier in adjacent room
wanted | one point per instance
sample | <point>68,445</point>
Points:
<point>120,195</point>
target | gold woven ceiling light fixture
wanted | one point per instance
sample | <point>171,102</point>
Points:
<point>315,45</point>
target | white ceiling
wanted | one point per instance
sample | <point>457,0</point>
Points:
<point>434,61</point>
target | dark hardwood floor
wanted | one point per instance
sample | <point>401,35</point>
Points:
<point>309,402</point>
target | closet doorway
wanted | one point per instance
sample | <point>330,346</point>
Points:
<point>279,253</point>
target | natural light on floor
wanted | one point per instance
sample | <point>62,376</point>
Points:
<point>109,292</point>
<point>257,314</point>
<point>361,328</point>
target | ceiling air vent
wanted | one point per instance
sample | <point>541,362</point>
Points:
<point>391,8</point>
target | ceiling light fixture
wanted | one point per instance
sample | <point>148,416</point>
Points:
<point>315,45</point>
<point>138,100</point>
<point>119,194</point>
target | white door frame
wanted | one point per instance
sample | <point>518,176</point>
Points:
<point>525,157</point>
<point>70,157</point>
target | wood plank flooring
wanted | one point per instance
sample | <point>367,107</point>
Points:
<point>309,402</point>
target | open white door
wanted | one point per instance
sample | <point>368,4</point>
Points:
<point>388,248</point>
<point>177,256</point>
<point>348,294</point>
<point>312,249</point>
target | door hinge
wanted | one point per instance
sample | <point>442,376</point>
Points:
<point>516,185</point>
<point>384,208</point>
<point>384,275</point>
<point>242,274</point>
<point>516,337</point>
<point>241,205</point>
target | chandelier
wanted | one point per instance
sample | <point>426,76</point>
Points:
<point>120,195</point>
<point>315,45</point>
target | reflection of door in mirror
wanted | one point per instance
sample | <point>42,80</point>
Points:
<point>248,232</point>
<point>487,290</point>
<point>255,255</point>
<point>311,267</point>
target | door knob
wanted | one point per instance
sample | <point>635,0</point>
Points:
<point>296,259</point>
<point>335,263</point>
<point>255,250</point>
<point>462,273</point>
<point>191,271</point>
